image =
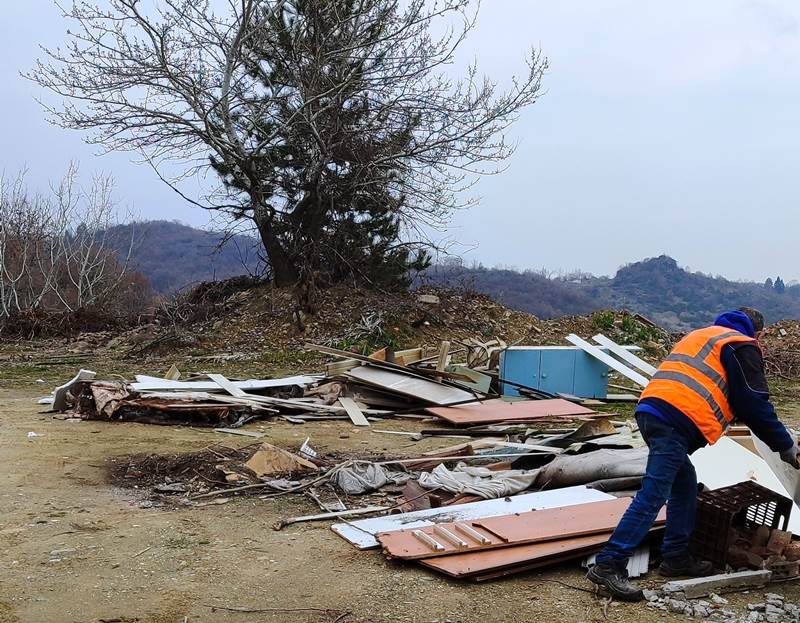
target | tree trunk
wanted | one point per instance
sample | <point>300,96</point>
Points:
<point>284,272</point>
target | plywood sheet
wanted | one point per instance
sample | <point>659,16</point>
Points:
<point>362,533</point>
<point>509,530</point>
<point>408,385</point>
<point>462,565</point>
<point>497,410</point>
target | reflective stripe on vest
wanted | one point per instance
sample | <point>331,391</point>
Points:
<point>700,384</point>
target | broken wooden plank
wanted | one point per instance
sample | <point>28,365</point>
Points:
<point>498,410</point>
<point>625,354</point>
<point>173,374</point>
<point>353,411</point>
<point>335,515</point>
<point>607,359</point>
<point>444,356</point>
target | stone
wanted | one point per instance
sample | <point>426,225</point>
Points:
<point>650,595</point>
<point>753,616</point>
<point>700,611</point>
<point>717,599</point>
<point>700,587</point>
<point>773,618</point>
<point>676,605</point>
<point>756,607</point>
<point>770,609</point>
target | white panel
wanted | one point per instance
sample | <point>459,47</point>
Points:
<point>361,533</point>
<point>151,383</point>
<point>728,463</point>
<point>624,354</point>
<point>608,360</point>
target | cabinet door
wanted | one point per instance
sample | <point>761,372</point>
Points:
<point>557,371</point>
<point>519,366</point>
<point>591,376</point>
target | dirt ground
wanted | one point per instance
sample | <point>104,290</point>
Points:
<point>76,549</point>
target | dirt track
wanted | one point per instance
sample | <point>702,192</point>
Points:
<point>76,549</point>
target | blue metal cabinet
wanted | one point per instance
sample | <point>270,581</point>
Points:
<point>520,367</point>
<point>591,377</point>
<point>554,369</point>
<point>557,370</point>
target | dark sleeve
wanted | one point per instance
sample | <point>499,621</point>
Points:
<point>749,395</point>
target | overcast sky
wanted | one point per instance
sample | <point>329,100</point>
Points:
<point>667,127</point>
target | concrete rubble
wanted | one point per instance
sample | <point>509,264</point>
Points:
<point>774,608</point>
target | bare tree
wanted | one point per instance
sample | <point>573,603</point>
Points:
<point>332,124</point>
<point>54,252</point>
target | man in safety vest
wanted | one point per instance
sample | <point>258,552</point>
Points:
<point>712,376</point>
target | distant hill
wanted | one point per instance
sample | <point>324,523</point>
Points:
<point>657,288</point>
<point>172,255</point>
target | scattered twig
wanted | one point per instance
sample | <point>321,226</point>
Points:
<point>146,549</point>
<point>256,610</point>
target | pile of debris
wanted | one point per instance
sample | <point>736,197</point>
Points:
<point>542,477</point>
<point>781,345</point>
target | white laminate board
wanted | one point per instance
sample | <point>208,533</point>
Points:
<point>151,383</point>
<point>408,385</point>
<point>362,533</point>
<point>353,411</point>
<point>607,359</point>
<point>625,354</point>
<point>788,476</point>
<point>728,463</point>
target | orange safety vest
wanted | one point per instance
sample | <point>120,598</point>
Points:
<point>693,380</point>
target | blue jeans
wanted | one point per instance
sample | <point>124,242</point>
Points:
<point>669,477</point>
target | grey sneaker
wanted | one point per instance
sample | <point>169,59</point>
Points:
<point>614,578</point>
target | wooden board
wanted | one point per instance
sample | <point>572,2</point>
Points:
<point>607,359</point>
<point>362,533</point>
<point>625,354</point>
<point>409,385</point>
<point>353,411</point>
<point>497,410</point>
<point>509,530</point>
<point>464,565</point>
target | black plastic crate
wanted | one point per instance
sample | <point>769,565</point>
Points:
<point>745,505</point>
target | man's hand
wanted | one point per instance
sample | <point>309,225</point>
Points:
<point>791,456</point>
